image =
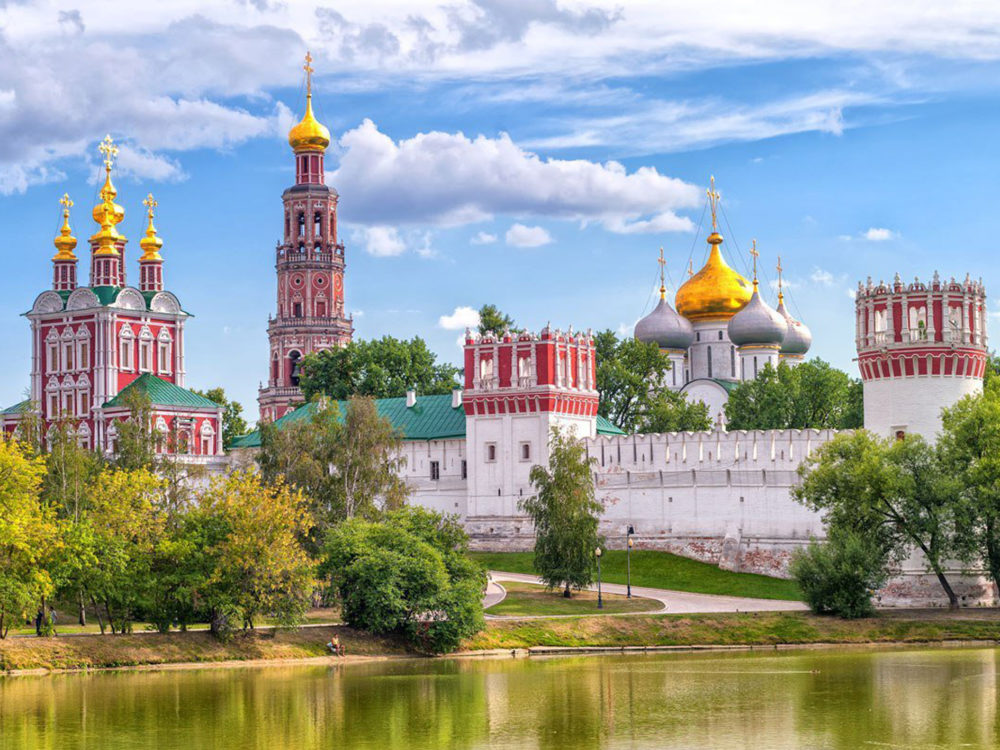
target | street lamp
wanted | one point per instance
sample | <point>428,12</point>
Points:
<point>600,600</point>
<point>628,558</point>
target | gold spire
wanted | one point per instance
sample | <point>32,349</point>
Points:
<point>150,244</point>
<point>663,265</point>
<point>107,213</point>
<point>309,134</point>
<point>65,243</point>
<point>713,202</point>
<point>781,295</point>
<point>755,254</point>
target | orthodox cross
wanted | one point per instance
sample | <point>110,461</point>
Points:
<point>780,296</point>
<point>755,254</point>
<point>109,150</point>
<point>150,203</point>
<point>713,201</point>
<point>309,71</point>
<point>663,264</point>
<point>66,203</point>
<point>690,267</point>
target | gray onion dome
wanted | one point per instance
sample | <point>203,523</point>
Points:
<point>757,323</point>
<point>665,327</point>
<point>799,338</point>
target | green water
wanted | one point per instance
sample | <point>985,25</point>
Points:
<point>816,699</point>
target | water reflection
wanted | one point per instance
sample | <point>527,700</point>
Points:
<point>818,699</point>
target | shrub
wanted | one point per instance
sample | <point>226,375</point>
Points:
<point>838,576</point>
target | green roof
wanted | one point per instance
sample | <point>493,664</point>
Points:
<point>18,408</point>
<point>431,418</point>
<point>161,393</point>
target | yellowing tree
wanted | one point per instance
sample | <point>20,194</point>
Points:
<point>28,534</point>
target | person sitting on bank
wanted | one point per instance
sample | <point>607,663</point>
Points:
<point>335,646</point>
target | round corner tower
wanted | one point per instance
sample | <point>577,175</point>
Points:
<point>309,262</point>
<point>921,347</point>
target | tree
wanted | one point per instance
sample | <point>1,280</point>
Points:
<point>628,374</point>
<point>565,515</point>
<point>137,442</point>
<point>407,574</point>
<point>28,535</point>
<point>810,395</point>
<point>255,561</point>
<point>233,423</point>
<point>838,576</point>
<point>970,450</point>
<point>670,411</point>
<point>491,320</point>
<point>379,368</point>
<point>894,493</point>
<point>346,466</point>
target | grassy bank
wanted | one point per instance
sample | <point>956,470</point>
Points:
<point>662,570</point>
<point>96,651</point>
<point>764,628</point>
<point>527,599</point>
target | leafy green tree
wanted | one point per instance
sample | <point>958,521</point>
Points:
<point>670,411</point>
<point>565,515</point>
<point>628,372</point>
<point>233,423</point>
<point>839,575</point>
<point>810,395</point>
<point>407,574</point>
<point>970,450</point>
<point>28,535</point>
<point>346,466</point>
<point>894,492</point>
<point>379,368</point>
<point>491,320</point>
<point>255,561</point>
<point>138,441</point>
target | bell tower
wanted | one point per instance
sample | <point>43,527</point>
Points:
<point>309,262</point>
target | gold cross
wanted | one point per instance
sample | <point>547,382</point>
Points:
<point>690,268</point>
<point>713,201</point>
<point>755,254</point>
<point>780,269</point>
<point>110,151</point>
<point>663,264</point>
<point>309,71</point>
<point>66,203</point>
<point>150,203</point>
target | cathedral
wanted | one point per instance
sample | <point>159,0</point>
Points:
<point>722,332</point>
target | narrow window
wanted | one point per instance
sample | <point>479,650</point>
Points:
<point>302,225</point>
<point>318,225</point>
<point>732,359</point>
<point>53,357</point>
<point>296,309</point>
<point>84,355</point>
<point>491,451</point>
<point>206,446</point>
<point>525,451</point>
<point>125,355</point>
<point>755,367</point>
<point>321,308</point>
<point>465,469</point>
<point>68,357</point>
<point>708,350</point>
<point>145,356</point>
<point>435,470</point>
<point>53,405</point>
<point>720,335</point>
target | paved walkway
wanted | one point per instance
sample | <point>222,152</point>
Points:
<point>676,602</point>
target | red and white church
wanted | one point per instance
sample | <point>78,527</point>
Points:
<point>93,344</point>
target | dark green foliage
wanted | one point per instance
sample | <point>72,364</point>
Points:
<point>379,368</point>
<point>407,574</point>
<point>565,515</point>
<point>838,576</point>
<point>233,423</point>
<point>811,395</point>
<point>670,411</point>
<point>491,320</point>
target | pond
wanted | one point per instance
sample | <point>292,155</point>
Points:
<point>805,699</point>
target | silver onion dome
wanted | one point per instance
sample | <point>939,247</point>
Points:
<point>665,327</point>
<point>798,339</point>
<point>757,323</point>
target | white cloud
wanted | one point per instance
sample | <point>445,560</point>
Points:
<point>852,293</point>
<point>483,238</point>
<point>520,235</point>
<point>380,241</point>
<point>821,276</point>
<point>460,319</point>
<point>879,234</point>
<point>449,179</point>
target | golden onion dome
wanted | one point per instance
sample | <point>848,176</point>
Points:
<point>65,243</point>
<point>151,243</point>
<point>716,292</point>
<point>310,134</point>
<point>107,213</point>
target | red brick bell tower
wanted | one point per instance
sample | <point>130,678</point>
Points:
<point>310,267</point>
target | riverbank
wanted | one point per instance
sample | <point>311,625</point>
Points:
<point>198,650</point>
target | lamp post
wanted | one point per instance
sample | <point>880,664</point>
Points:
<point>600,600</point>
<point>628,559</point>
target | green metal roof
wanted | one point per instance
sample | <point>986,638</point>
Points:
<point>161,393</point>
<point>431,418</point>
<point>18,408</point>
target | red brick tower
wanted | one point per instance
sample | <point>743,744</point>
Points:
<point>310,268</point>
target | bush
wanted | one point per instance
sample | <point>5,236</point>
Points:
<point>408,574</point>
<point>838,576</point>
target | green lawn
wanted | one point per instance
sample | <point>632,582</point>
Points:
<point>662,570</point>
<point>529,599</point>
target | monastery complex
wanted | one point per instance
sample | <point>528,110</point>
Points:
<point>720,496</point>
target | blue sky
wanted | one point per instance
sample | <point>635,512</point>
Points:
<point>532,154</point>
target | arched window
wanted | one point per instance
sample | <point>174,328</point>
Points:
<point>708,350</point>
<point>302,224</point>
<point>297,309</point>
<point>732,359</point>
<point>288,225</point>
<point>318,224</point>
<point>294,358</point>
<point>321,308</point>
<point>274,369</point>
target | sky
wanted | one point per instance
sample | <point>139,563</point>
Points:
<point>532,154</point>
